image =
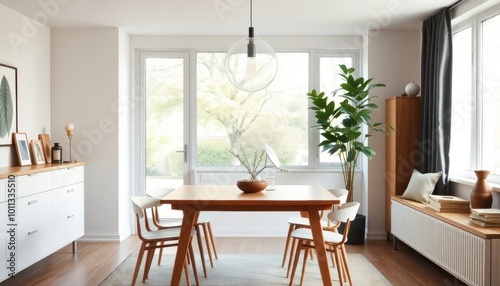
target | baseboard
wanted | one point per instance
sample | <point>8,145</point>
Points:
<point>101,237</point>
<point>376,235</point>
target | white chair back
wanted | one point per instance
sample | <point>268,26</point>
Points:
<point>159,192</point>
<point>346,212</point>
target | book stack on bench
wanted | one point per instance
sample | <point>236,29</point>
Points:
<point>485,217</point>
<point>449,204</point>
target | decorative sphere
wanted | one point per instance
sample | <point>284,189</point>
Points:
<point>412,89</point>
<point>251,73</point>
<point>69,127</point>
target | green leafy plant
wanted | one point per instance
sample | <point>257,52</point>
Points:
<point>342,124</point>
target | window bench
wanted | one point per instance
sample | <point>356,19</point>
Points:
<point>469,252</point>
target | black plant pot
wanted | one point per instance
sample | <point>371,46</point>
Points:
<point>356,233</point>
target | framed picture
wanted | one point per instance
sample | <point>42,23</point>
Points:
<point>23,153</point>
<point>8,103</point>
<point>46,145</point>
<point>37,152</point>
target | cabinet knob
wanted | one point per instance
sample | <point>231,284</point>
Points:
<point>70,216</point>
<point>32,202</point>
<point>32,232</point>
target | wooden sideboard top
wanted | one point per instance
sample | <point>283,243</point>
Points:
<point>26,170</point>
<point>460,220</point>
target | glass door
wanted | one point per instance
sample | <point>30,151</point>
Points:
<point>165,85</point>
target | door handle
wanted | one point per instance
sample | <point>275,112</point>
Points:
<point>185,151</point>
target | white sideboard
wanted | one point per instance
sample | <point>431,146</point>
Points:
<point>42,210</point>
<point>469,252</point>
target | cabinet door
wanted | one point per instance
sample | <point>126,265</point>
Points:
<point>68,219</point>
<point>34,236</point>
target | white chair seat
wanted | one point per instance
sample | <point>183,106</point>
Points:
<point>304,221</point>
<point>166,232</point>
<point>328,236</point>
<point>170,222</point>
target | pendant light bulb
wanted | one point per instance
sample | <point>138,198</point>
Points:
<point>251,64</point>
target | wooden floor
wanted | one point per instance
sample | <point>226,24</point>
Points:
<point>95,261</point>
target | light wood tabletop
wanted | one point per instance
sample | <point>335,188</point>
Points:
<point>192,199</point>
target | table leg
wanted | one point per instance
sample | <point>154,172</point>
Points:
<point>190,217</point>
<point>319,245</point>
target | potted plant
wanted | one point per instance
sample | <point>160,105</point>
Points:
<point>341,124</point>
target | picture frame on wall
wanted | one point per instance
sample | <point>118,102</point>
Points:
<point>37,152</point>
<point>8,103</point>
<point>47,145</point>
<point>22,150</point>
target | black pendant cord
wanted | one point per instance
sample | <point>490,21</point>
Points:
<point>251,13</point>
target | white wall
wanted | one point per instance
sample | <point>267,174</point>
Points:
<point>25,45</point>
<point>86,90</point>
<point>393,59</point>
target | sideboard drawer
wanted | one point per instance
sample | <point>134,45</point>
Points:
<point>34,228</point>
<point>68,176</point>
<point>33,184</point>
<point>68,215</point>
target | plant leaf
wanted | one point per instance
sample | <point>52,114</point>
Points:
<point>6,108</point>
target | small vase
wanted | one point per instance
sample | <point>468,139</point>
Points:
<point>481,197</point>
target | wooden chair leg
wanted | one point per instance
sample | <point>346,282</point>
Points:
<point>304,263</point>
<point>288,238</point>
<point>212,239</point>
<point>186,273</point>
<point>339,269</point>
<point>295,259</point>
<point>346,264</point>
<point>149,259</point>
<point>200,247</point>
<point>207,243</point>
<point>292,255</point>
<point>161,253</point>
<point>138,263</point>
<point>195,272</point>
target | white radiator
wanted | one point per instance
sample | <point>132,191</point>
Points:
<point>464,255</point>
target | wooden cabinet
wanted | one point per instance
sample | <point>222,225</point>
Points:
<point>402,147</point>
<point>47,212</point>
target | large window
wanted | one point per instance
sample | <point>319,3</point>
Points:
<point>193,115</point>
<point>230,119</point>
<point>476,96</point>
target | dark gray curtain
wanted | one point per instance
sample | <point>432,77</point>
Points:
<point>435,109</point>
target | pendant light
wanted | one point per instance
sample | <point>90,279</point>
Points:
<point>251,63</point>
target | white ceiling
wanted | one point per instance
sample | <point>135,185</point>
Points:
<point>232,17</point>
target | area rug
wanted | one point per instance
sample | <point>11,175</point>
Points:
<point>245,270</point>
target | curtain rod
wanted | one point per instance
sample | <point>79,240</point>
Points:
<point>452,6</point>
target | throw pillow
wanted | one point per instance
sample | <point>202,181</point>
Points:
<point>421,186</point>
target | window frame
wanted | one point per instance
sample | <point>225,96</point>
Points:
<point>313,82</point>
<point>474,21</point>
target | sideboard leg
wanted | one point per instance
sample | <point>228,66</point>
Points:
<point>394,243</point>
<point>75,249</point>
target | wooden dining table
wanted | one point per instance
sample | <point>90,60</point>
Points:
<point>307,199</point>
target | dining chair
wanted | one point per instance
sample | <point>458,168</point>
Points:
<point>334,242</point>
<point>156,238</point>
<point>201,226</point>
<point>296,222</point>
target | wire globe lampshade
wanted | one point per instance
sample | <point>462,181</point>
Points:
<point>251,64</point>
